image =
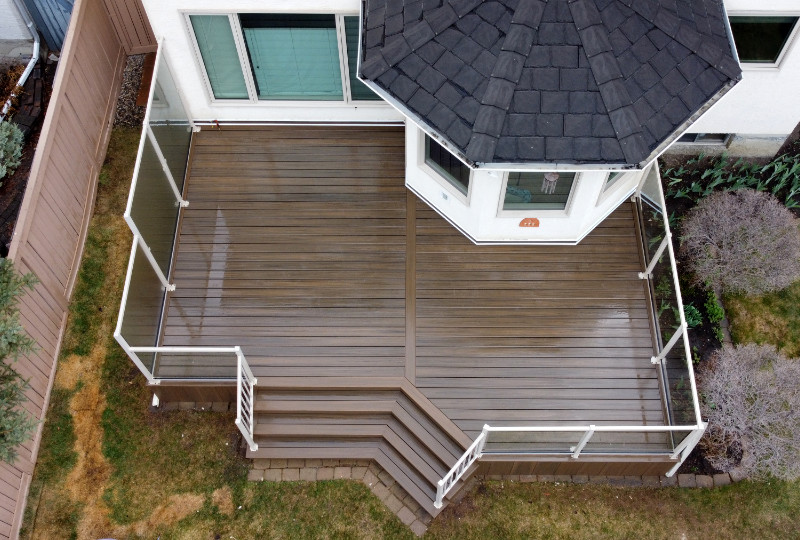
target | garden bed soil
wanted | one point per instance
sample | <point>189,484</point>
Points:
<point>12,188</point>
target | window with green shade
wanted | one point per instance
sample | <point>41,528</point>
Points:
<point>447,165</point>
<point>761,39</point>
<point>538,190</point>
<point>358,90</point>
<point>294,56</point>
<point>220,57</point>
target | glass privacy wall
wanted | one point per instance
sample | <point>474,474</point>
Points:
<point>156,195</point>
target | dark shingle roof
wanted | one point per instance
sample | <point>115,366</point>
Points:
<point>549,81</point>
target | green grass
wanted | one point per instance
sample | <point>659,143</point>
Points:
<point>511,510</point>
<point>773,318</point>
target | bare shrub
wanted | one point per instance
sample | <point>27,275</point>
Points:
<point>742,241</point>
<point>752,399</point>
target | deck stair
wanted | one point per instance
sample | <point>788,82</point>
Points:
<point>389,422</point>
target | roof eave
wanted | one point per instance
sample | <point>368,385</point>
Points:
<point>687,124</point>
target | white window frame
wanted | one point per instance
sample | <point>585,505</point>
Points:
<point>607,190</point>
<point>244,62</point>
<point>565,213</point>
<point>790,41</point>
<point>444,182</point>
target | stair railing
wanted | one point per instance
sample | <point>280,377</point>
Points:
<point>245,391</point>
<point>473,454</point>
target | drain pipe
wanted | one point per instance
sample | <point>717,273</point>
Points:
<point>23,12</point>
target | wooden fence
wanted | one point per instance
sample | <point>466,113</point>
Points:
<point>54,218</point>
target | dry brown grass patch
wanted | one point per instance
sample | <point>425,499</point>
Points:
<point>223,500</point>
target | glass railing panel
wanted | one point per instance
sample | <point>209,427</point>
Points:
<point>154,208</point>
<point>141,320</point>
<point>195,365</point>
<point>531,442</point>
<point>679,389</point>
<point>170,124</point>
<point>629,442</point>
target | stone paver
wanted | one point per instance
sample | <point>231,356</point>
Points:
<point>290,475</point>
<point>669,481</point>
<point>394,503</point>
<point>307,474</point>
<point>722,479</point>
<point>687,480</point>
<point>325,473</point>
<point>406,516</point>
<point>272,475</point>
<point>341,473</point>
<point>255,475</point>
<point>704,481</point>
<point>418,528</point>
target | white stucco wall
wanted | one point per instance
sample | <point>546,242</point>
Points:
<point>765,102</point>
<point>480,216</point>
<point>169,23</point>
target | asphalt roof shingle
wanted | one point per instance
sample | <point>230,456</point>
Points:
<point>549,81</point>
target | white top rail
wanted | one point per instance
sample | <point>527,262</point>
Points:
<point>580,429</point>
<point>188,350</point>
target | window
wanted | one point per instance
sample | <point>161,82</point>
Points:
<point>293,56</point>
<point>447,165</point>
<point>270,56</point>
<point>612,179</point>
<point>538,190</point>
<point>704,138</point>
<point>218,50</point>
<point>761,39</point>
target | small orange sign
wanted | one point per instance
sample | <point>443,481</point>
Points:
<point>529,222</point>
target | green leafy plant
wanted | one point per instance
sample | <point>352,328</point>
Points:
<point>696,180</point>
<point>693,316</point>
<point>16,424</point>
<point>714,309</point>
<point>10,148</point>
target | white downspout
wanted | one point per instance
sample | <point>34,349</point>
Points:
<point>23,12</point>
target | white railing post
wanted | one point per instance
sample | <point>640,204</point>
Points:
<point>576,450</point>
<point>165,167</point>
<point>244,399</point>
<point>668,347</point>
<point>686,446</point>
<point>649,270</point>
<point>473,454</point>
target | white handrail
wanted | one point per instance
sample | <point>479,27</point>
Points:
<point>473,454</point>
<point>245,383</point>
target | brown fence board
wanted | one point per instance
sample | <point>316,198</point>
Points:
<point>55,213</point>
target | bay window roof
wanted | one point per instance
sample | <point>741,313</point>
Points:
<point>582,82</point>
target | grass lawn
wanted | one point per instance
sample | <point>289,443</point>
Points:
<point>773,318</point>
<point>108,467</point>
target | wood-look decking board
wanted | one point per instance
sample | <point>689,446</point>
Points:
<point>302,245</point>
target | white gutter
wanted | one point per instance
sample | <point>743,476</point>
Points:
<point>23,12</point>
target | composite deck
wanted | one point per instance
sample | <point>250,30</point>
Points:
<point>302,245</point>
<point>377,331</point>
